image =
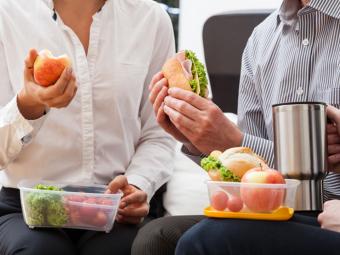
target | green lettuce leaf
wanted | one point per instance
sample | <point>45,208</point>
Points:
<point>199,69</point>
<point>211,163</point>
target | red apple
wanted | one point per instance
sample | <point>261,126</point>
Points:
<point>262,199</point>
<point>219,201</point>
<point>235,204</point>
<point>48,69</point>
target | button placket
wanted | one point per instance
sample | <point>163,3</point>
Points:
<point>85,89</point>
<point>306,39</point>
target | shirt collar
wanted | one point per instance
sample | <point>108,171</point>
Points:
<point>289,9</point>
<point>49,3</point>
<point>328,7</point>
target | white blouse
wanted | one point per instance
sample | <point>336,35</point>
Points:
<point>109,128</point>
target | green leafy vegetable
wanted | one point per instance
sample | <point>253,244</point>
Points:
<point>212,163</point>
<point>199,70</point>
<point>45,208</point>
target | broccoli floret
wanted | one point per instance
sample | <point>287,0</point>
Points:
<point>36,204</point>
<point>45,209</point>
<point>56,213</point>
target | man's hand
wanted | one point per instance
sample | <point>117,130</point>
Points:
<point>192,120</point>
<point>33,98</point>
<point>333,135</point>
<point>201,121</point>
<point>158,91</point>
<point>330,218</point>
<point>133,206</point>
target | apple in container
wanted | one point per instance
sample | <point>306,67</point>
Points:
<point>260,198</point>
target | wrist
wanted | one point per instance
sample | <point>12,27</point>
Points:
<point>28,108</point>
<point>237,138</point>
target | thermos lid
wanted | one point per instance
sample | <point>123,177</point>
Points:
<point>297,103</point>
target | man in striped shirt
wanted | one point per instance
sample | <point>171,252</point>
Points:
<point>293,56</point>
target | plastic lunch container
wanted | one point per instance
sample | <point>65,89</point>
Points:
<point>75,206</point>
<point>251,198</point>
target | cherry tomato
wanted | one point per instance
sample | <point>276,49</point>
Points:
<point>219,201</point>
<point>235,204</point>
<point>100,220</point>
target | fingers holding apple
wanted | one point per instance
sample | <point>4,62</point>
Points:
<point>39,92</point>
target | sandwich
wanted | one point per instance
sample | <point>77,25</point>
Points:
<point>232,164</point>
<point>185,71</point>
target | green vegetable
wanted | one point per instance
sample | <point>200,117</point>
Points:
<point>199,70</point>
<point>212,163</point>
<point>44,208</point>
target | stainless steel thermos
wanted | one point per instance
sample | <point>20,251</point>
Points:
<point>300,145</point>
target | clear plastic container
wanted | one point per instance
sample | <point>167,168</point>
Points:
<point>252,197</point>
<point>76,206</point>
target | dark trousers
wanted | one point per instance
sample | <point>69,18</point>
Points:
<point>16,238</point>
<point>195,235</point>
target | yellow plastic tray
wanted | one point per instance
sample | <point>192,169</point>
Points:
<point>281,214</point>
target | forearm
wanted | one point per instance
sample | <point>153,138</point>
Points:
<point>152,165</point>
<point>29,109</point>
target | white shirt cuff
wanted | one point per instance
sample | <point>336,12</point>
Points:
<point>141,183</point>
<point>25,129</point>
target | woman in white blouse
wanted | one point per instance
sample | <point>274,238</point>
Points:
<point>95,125</point>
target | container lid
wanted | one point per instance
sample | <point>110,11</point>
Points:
<point>282,214</point>
<point>297,103</point>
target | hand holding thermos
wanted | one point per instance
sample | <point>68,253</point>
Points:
<point>333,135</point>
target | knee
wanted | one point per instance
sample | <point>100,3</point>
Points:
<point>157,237</point>
<point>187,244</point>
<point>205,238</point>
<point>41,244</point>
<point>192,242</point>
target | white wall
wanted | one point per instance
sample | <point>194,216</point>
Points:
<point>195,12</point>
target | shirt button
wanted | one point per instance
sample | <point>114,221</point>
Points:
<point>26,139</point>
<point>305,42</point>
<point>299,92</point>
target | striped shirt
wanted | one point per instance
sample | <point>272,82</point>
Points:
<point>293,56</point>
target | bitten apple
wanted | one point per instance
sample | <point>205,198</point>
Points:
<point>262,199</point>
<point>47,69</point>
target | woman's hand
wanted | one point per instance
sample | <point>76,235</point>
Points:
<point>33,98</point>
<point>330,218</point>
<point>333,137</point>
<point>133,206</point>
<point>158,91</point>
